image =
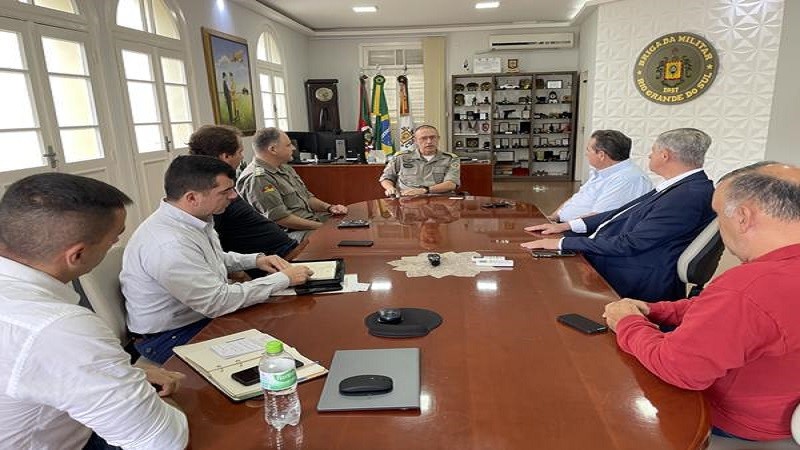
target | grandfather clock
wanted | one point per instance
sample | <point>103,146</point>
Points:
<point>323,105</point>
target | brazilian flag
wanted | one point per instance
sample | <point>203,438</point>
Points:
<point>380,113</point>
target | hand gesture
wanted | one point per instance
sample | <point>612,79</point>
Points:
<point>297,274</point>
<point>548,228</point>
<point>166,382</point>
<point>271,263</point>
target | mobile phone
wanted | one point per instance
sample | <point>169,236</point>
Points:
<point>250,376</point>
<point>551,253</point>
<point>347,243</point>
<point>582,324</point>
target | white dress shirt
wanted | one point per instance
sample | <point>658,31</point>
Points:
<point>63,370</point>
<point>174,273</point>
<point>606,189</point>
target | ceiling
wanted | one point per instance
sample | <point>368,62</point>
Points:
<point>337,15</point>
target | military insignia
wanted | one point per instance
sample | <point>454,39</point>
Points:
<point>268,188</point>
<point>258,171</point>
<point>675,68</point>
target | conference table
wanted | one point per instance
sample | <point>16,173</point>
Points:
<point>499,373</point>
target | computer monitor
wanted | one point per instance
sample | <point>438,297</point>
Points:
<point>344,145</point>
<point>304,142</point>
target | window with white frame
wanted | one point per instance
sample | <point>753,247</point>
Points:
<point>54,112</point>
<point>154,73</point>
<point>67,6</point>
<point>272,82</point>
<point>393,60</point>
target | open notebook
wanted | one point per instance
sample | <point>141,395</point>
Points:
<point>216,359</point>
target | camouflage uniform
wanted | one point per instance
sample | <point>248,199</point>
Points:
<point>410,170</point>
<point>276,193</point>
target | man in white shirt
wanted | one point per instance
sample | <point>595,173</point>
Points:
<point>613,179</point>
<point>174,273</point>
<point>63,372</point>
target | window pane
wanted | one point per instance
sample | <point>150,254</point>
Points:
<point>143,102</point>
<point>268,106</point>
<point>20,150</point>
<point>178,104</point>
<point>137,65</point>
<point>414,56</point>
<point>283,124</point>
<point>165,21</point>
<point>148,138</point>
<point>73,101</point>
<point>269,123</point>
<point>380,57</point>
<point>280,102</point>
<point>181,133</point>
<point>266,82</point>
<point>14,91</point>
<point>274,53</point>
<point>279,86</point>
<point>10,51</point>
<point>261,49</point>
<point>129,14</point>
<point>61,5</point>
<point>173,71</point>
<point>81,144</point>
<point>64,57</point>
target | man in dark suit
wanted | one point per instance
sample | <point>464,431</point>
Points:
<point>636,247</point>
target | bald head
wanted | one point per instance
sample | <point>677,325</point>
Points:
<point>773,187</point>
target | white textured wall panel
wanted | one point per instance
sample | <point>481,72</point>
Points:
<point>735,110</point>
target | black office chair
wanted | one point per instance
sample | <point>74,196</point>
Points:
<point>699,261</point>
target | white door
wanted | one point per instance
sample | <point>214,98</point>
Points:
<point>51,122</point>
<point>159,112</point>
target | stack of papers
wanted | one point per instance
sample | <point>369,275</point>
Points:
<point>216,359</point>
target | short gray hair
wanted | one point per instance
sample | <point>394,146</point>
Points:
<point>266,137</point>
<point>689,145</point>
<point>777,197</point>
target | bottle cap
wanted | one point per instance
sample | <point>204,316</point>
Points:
<point>274,347</point>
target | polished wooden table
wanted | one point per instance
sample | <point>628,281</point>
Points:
<point>499,373</point>
<point>352,183</point>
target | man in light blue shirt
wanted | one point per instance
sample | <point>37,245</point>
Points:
<point>614,179</point>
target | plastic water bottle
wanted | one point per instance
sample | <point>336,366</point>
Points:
<point>279,383</point>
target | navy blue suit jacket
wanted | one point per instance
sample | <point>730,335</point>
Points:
<point>637,252</point>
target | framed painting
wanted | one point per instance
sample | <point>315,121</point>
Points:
<point>228,66</point>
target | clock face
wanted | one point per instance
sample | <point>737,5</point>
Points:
<point>323,94</point>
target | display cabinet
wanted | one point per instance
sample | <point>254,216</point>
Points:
<point>524,123</point>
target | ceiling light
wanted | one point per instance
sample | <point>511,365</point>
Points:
<point>487,5</point>
<point>365,9</point>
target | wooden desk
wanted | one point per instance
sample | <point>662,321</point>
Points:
<point>499,373</point>
<point>352,183</point>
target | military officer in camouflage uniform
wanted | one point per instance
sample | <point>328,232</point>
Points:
<point>274,188</point>
<point>425,170</point>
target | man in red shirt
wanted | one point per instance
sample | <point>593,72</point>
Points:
<point>739,340</point>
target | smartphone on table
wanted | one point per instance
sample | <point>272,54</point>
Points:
<point>348,243</point>
<point>582,324</point>
<point>250,376</point>
<point>551,253</point>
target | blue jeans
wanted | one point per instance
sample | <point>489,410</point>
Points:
<point>97,443</point>
<point>157,347</point>
<point>722,433</point>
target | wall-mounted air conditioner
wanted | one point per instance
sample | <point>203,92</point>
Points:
<point>531,41</point>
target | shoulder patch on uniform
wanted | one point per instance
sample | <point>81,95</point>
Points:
<point>258,171</point>
<point>269,187</point>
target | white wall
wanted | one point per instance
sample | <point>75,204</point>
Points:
<point>587,58</point>
<point>783,141</point>
<point>735,110</point>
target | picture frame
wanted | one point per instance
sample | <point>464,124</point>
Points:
<point>230,82</point>
<point>554,84</point>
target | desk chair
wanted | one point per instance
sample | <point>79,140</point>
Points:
<point>101,289</point>
<point>699,261</point>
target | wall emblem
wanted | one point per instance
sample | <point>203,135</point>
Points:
<point>675,68</point>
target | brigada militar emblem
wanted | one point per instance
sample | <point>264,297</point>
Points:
<point>675,68</point>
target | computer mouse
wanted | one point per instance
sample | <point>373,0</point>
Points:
<point>366,385</point>
<point>390,315</point>
<point>435,259</point>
